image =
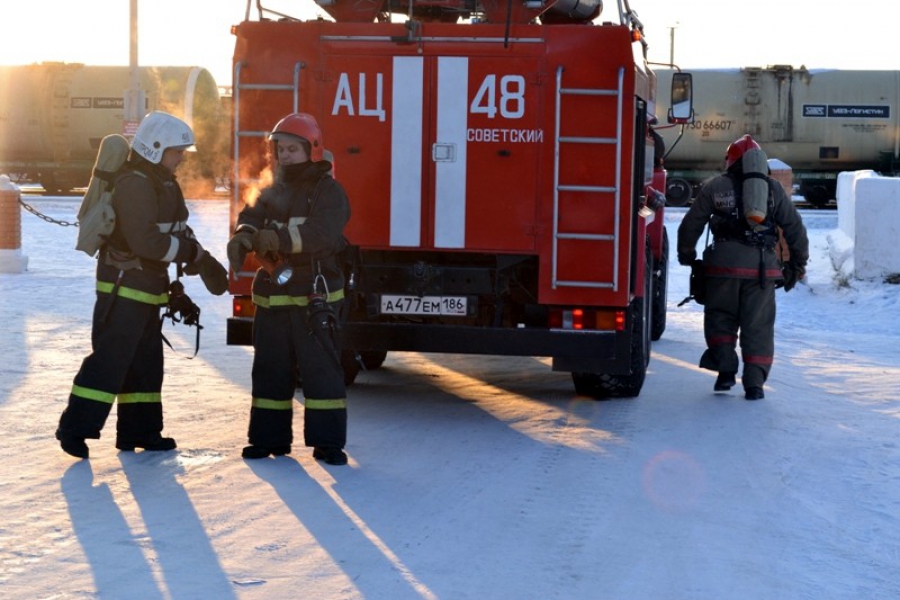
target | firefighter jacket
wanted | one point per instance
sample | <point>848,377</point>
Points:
<point>309,210</point>
<point>151,232</point>
<point>736,251</point>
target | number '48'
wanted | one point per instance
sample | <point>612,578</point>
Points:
<point>511,101</point>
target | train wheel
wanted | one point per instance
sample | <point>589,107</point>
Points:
<point>49,182</point>
<point>816,194</point>
<point>678,192</point>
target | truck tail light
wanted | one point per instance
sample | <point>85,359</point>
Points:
<point>587,319</point>
<point>577,318</point>
<point>242,306</point>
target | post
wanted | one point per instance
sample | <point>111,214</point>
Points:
<point>134,95</point>
<point>672,43</point>
<point>11,259</point>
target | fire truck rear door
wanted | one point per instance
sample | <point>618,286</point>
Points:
<point>485,151</point>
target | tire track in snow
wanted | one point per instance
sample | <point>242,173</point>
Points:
<point>566,548</point>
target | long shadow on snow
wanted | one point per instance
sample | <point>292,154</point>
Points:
<point>103,533</point>
<point>374,569</point>
<point>177,534</point>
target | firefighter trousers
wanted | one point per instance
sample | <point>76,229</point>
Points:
<point>285,346</point>
<point>739,307</point>
<point>125,365</point>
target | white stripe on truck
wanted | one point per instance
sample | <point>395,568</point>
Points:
<point>406,152</point>
<point>450,182</point>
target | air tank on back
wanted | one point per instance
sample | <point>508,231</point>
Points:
<point>819,122</point>
<point>53,116</point>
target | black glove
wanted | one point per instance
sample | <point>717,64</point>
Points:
<point>213,274</point>
<point>792,272</point>
<point>238,246</point>
<point>698,281</point>
<point>687,258</point>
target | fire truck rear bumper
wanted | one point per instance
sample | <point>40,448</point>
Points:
<point>572,351</point>
<point>579,351</point>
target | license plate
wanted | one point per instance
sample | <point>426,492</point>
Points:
<point>424,305</point>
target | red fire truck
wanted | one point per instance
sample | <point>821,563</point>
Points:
<point>500,168</point>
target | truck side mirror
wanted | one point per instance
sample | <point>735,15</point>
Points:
<point>682,101</point>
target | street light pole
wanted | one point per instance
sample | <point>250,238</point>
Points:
<point>672,43</point>
<point>134,95</point>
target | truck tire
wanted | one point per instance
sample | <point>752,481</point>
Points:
<point>679,192</point>
<point>373,359</point>
<point>350,365</point>
<point>660,284</point>
<point>600,386</point>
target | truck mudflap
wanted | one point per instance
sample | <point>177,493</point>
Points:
<point>239,331</point>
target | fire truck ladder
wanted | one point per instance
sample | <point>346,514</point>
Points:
<point>615,189</point>
<point>293,87</point>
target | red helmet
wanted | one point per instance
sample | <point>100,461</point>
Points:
<point>303,126</point>
<point>737,148</point>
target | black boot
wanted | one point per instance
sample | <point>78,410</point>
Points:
<point>263,451</point>
<point>331,456</point>
<point>72,445</point>
<point>160,444</point>
<point>724,382</point>
<point>754,393</point>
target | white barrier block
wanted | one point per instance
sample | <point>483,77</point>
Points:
<point>877,225</point>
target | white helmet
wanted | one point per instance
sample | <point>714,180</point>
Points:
<point>159,131</point>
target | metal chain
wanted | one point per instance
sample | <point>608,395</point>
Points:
<point>35,212</point>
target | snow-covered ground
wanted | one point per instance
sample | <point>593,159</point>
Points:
<point>470,477</point>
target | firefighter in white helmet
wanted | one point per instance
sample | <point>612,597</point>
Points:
<point>298,220</point>
<point>151,232</point>
<point>741,267</point>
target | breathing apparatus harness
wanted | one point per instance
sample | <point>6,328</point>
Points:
<point>734,227</point>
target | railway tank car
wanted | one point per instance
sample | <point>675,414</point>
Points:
<point>53,116</point>
<point>819,122</point>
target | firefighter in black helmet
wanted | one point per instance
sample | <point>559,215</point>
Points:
<point>741,266</point>
<point>298,222</point>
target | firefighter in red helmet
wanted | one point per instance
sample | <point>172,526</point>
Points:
<point>740,266</point>
<point>737,148</point>
<point>298,221</point>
